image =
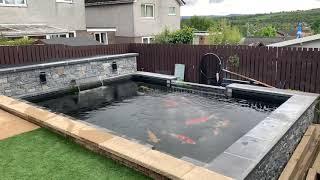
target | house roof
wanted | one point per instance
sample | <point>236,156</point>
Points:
<point>296,41</point>
<point>76,41</point>
<point>112,2</point>
<point>254,41</point>
<point>14,30</point>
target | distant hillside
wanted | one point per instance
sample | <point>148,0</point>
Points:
<point>283,21</point>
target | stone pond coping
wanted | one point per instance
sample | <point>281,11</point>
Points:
<point>67,62</point>
<point>125,151</point>
<point>242,157</point>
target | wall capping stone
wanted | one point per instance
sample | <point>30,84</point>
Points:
<point>67,62</point>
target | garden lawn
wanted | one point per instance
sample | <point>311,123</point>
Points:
<point>41,154</point>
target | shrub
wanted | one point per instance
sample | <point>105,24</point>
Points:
<point>182,36</point>
<point>15,42</point>
<point>224,33</point>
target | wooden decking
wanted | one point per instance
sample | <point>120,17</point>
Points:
<point>305,161</point>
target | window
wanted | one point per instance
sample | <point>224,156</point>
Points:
<point>71,35</point>
<point>101,37</point>
<point>172,11</point>
<point>13,3</point>
<point>147,10</point>
<point>53,36</point>
<point>147,40</point>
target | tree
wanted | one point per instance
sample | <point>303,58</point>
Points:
<point>198,23</point>
<point>268,31</point>
<point>224,33</point>
<point>182,36</point>
<point>316,26</point>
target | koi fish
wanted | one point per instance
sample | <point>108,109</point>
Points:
<point>170,103</point>
<point>198,120</point>
<point>183,139</point>
<point>152,137</point>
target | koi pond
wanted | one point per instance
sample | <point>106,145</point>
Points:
<point>183,122</point>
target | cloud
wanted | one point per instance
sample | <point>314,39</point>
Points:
<point>217,1</point>
<point>225,7</point>
<point>191,2</point>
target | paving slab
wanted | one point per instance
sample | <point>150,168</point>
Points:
<point>38,114</point>
<point>164,164</point>
<point>65,125</point>
<point>93,135</point>
<point>202,173</point>
<point>11,125</point>
<point>124,148</point>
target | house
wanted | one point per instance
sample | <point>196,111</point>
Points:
<point>131,21</point>
<point>42,19</point>
<point>306,42</point>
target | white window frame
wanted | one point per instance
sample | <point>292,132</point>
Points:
<point>13,5</point>
<point>49,36</point>
<point>64,1</point>
<point>145,11</point>
<point>100,35</point>
<point>175,11</point>
<point>149,38</point>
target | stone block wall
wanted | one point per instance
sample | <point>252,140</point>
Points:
<point>25,80</point>
<point>275,161</point>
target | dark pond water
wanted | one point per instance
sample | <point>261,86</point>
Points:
<point>178,123</point>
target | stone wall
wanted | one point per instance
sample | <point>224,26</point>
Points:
<point>275,161</point>
<point>25,80</point>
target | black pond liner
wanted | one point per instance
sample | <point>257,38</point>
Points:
<point>183,122</point>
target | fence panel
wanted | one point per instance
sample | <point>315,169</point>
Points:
<point>18,55</point>
<point>290,68</point>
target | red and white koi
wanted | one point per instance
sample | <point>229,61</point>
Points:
<point>184,139</point>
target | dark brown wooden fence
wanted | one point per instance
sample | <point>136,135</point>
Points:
<point>289,68</point>
<point>16,55</point>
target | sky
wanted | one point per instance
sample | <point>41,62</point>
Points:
<point>225,7</point>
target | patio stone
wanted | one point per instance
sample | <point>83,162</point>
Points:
<point>92,134</point>
<point>202,173</point>
<point>124,148</point>
<point>39,115</point>
<point>164,164</point>
<point>64,124</point>
<point>6,100</point>
<point>11,125</point>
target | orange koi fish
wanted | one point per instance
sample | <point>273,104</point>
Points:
<point>184,139</point>
<point>198,120</point>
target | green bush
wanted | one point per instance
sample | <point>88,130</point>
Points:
<point>224,33</point>
<point>268,31</point>
<point>182,36</point>
<point>16,42</point>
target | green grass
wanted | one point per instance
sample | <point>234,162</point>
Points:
<point>41,154</point>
